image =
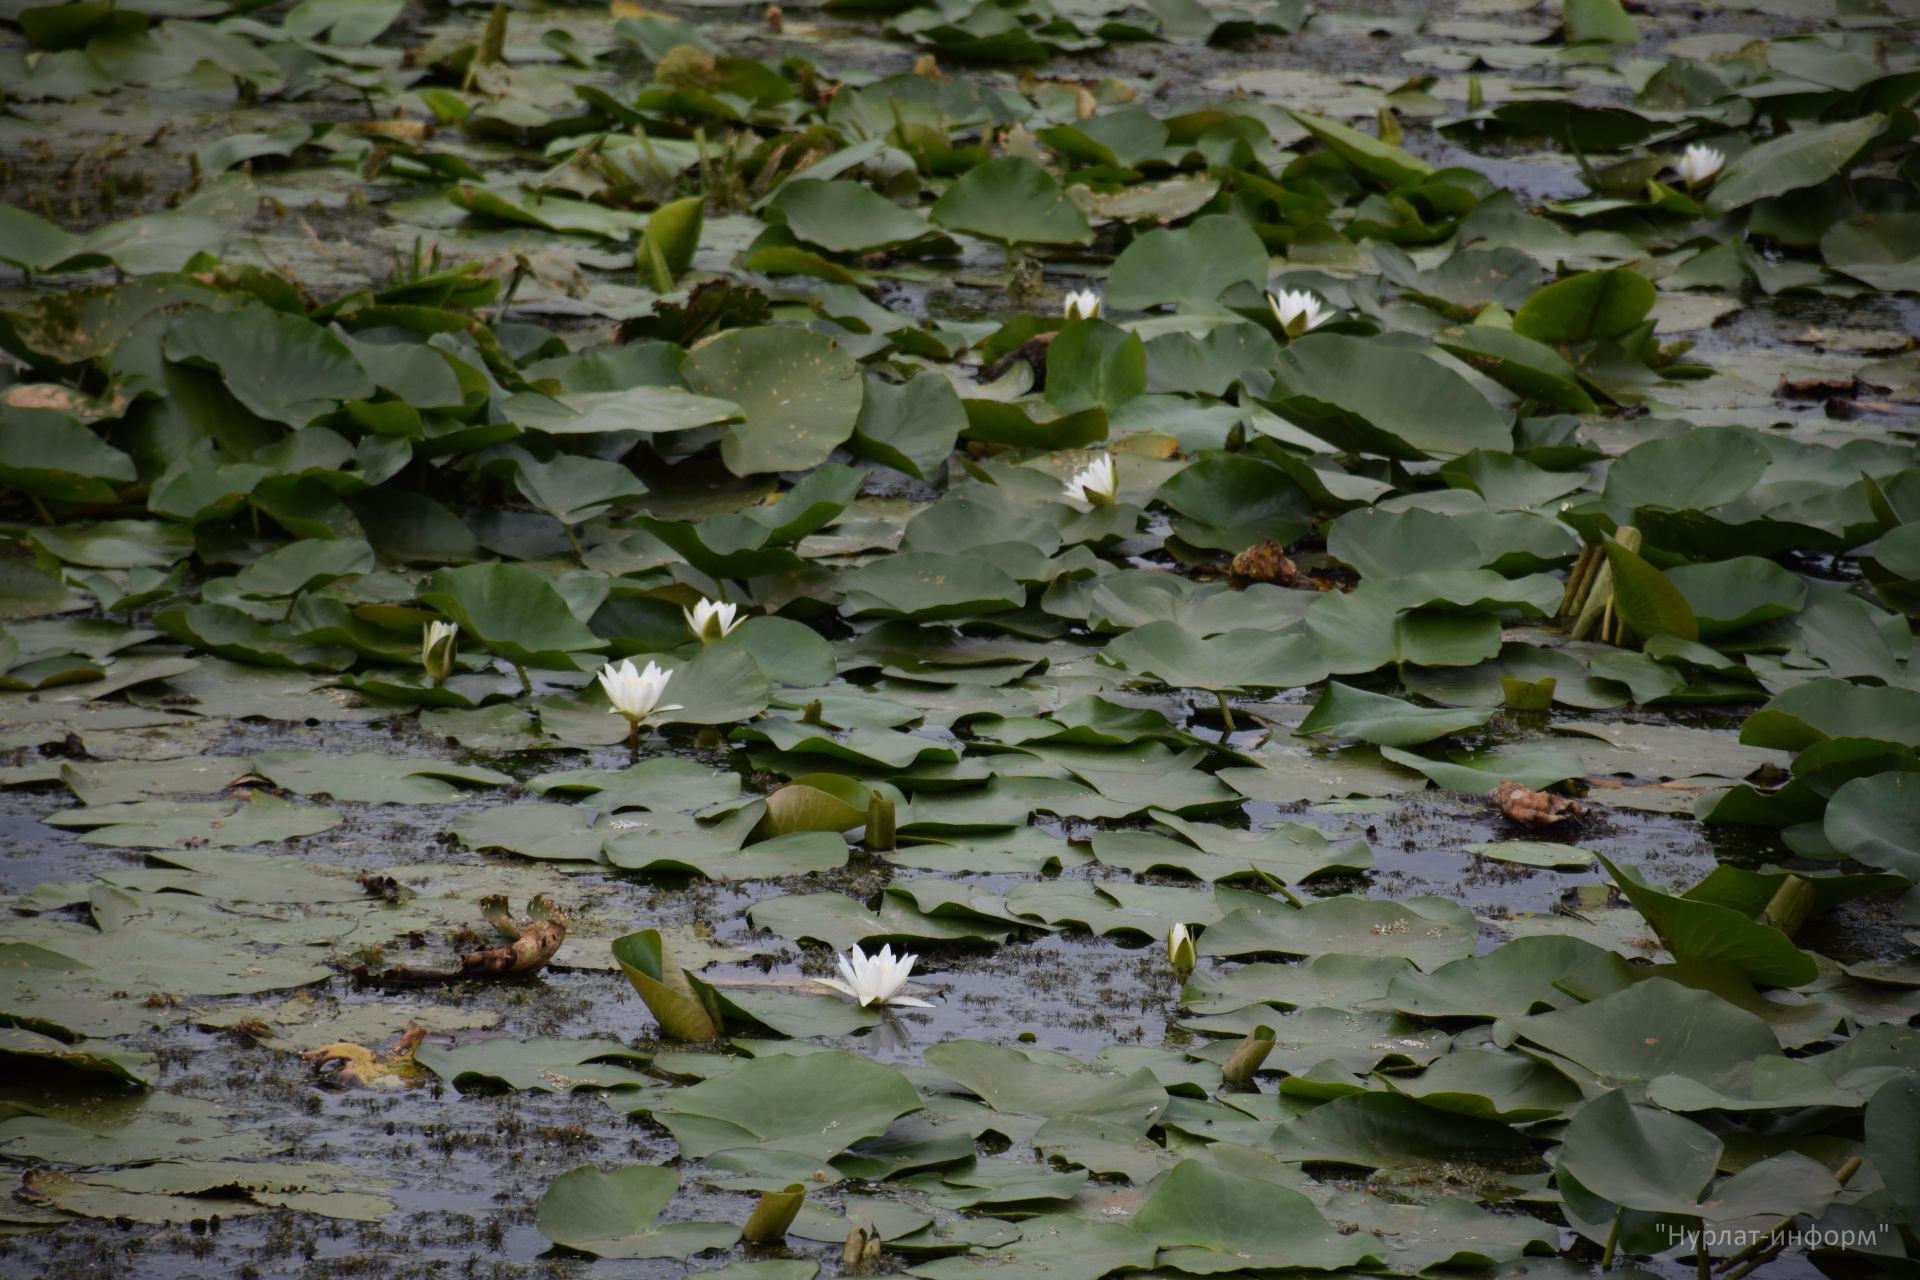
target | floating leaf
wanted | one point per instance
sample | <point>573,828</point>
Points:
<point>615,1215</point>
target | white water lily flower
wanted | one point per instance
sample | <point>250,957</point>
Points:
<point>635,694</point>
<point>1698,164</point>
<point>876,978</point>
<point>437,649</point>
<point>1180,950</point>
<point>1094,484</point>
<point>710,621</point>
<point>1298,311</point>
<point>1082,305</point>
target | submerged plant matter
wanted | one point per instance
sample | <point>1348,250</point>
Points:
<point>1446,572</point>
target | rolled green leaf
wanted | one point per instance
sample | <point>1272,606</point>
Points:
<point>880,835</point>
<point>1247,1058</point>
<point>684,1010</point>
<point>774,1214</point>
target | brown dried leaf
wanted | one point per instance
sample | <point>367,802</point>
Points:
<point>362,1068</point>
<point>1268,562</point>
<point>1533,808</point>
<point>537,942</point>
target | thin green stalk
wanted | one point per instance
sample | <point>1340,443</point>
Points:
<point>1767,1246</point>
<point>1226,712</point>
<point>526,685</point>
<point>1613,1242</point>
<point>1279,886</point>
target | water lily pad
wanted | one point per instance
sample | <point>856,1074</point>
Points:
<point>281,367</point>
<point>845,217</point>
<point>125,1066</point>
<point>1054,1245</point>
<point>816,1105</point>
<point>1011,201</point>
<point>1513,980</point>
<point>1233,662</point>
<point>1653,1028</point>
<point>616,1215</point>
<point>512,611</point>
<point>1491,1085</point>
<point>373,779</point>
<point>163,824</point>
<point>1791,161</point>
<point>1384,400</point>
<point>1193,264</point>
<point>1011,1080</point>
<point>552,1065</point>
<point>1346,712</point>
<point>799,395</point>
<point>841,922</point>
<point>1873,820</point>
<point>1391,1131</point>
<point>1707,931</point>
<point>1533,853</point>
<point>927,586</point>
<point>1428,931</point>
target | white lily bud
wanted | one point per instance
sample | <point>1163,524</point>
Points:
<point>635,694</point>
<point>437,641</point>
<point>1095,484</point>
<point>1180,951</point>
<point>876,978</point>
<point>1082,304</point>
<point>1298,311</point>
<point>1698,164</point>
<point>709,621</point>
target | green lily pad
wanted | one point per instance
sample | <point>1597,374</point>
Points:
<point>1651,1029</point>
<point>282,367</point>
<point>1363,397</point>
<point>1392,1131</point>
<point>1346,712</point>
<point>514,612</point>
<point>799,395</point>
<point>1055,1245</point>
<point>551,1065</point>
<point>1709,932</point>
<point>926,586</point>
<point>1048,1085</point>
<point>1791,161</point>
<point>841,922</point>
<point>815,1105</point>
<point>1594,305</point>
<point>845,217</point>
<point>1874,820</point>
<point>373,779</point>
<point>1207,1221</point>
<point>1011,201</point>
<point>1194,264</point>
<point>1428,931</point>
<point>1533,853</point>
<point>616,1215</point>
<point>125,1066</point>
<point>1233,662</point>
<point>163,824</point>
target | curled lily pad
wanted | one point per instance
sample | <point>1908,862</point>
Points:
<point>1354,713</point>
